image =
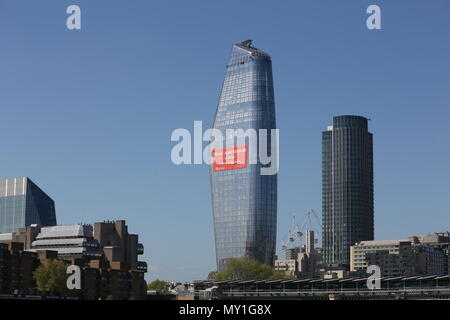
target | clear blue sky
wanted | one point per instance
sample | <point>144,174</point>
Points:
<point>88,114</point>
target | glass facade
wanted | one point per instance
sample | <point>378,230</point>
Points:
<point>244,201</point>
<point>23,203</point>
<point>347,188</point>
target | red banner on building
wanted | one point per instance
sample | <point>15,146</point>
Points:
<point>229,158</point>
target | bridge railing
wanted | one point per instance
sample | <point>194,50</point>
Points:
<point>433,289</point>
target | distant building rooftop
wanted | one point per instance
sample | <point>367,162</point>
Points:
<point>381,242</point>
<point>75,231</point>
<point>246,45</point>
<point>6,236</point>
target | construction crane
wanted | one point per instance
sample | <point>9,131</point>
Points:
<point>309,225</point>
<point>295,235</point>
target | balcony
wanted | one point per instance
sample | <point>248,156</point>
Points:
<point>142,266</point>
<point>140,248</point>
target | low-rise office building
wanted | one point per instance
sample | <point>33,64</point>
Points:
<point>395,257</point>
<point>302,261</point>
<point>72,242</point>
<point>288,266</point>
<point>427,255</point>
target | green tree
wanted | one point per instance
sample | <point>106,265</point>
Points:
<point>248,269</point>
<point>52,277</point>
<point>212,275</point>
<point>158,285</point>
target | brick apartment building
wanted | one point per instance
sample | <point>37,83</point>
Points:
<point>106,253</point>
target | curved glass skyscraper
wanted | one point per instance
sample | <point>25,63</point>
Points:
<point>245,201</point>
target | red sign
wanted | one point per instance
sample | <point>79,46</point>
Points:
<point>229,158</point>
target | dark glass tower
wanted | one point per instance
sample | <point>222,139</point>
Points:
<point>244,201</point>
<point>23,203</point>
<point>347,188</point>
